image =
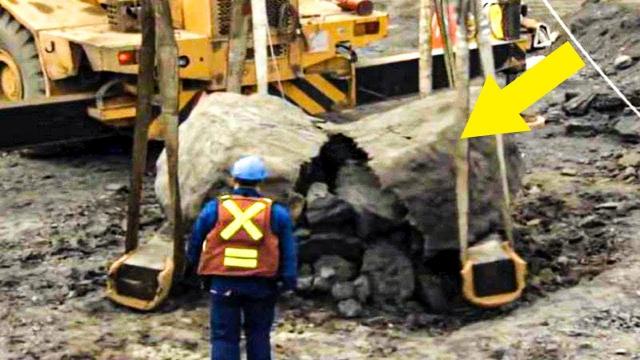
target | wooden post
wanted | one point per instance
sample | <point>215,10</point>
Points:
<point>442,11</point>
<point>426,56</point>
<point>462,148</point>
<point>238,44</point>
<point>260,28</point>
<point>169,88</point>
<point>488,66</point>
<point>146,90</point>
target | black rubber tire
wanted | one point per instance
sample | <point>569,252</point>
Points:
<point>20,44</point>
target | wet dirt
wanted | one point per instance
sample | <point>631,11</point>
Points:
<point>62,223</point>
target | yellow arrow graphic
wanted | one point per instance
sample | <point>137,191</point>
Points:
<point>497,111</point>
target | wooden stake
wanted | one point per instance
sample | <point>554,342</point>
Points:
<point>146,90</point>
<point>426,56</point>
<point>442,11</point>
<point>238,44</point>
<point>260,28</point>
<point>462,147</point>
<point>169,89</point>
<point>488,66</point>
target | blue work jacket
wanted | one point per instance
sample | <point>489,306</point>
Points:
<point>282,227</point>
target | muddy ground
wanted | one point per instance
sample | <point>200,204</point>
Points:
<point>61,222</point>
<point>578,219</point>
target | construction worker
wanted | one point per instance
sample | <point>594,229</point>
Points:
<point>244,243</point>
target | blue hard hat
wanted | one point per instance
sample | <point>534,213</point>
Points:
<point>249,168</point>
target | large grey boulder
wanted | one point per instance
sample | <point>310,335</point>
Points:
<point>410,151</point>
<point>224,127</point>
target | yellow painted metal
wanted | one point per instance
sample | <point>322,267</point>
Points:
<point>117,112</point>
<point>301,99</point>
<point>41,15</point>
<point>198,17</point>
<point>157,128</point>
<point>339,66</point>
<point>10,80</point>
<point>59,57</point>
<point>324,33</point>
<point>177,13</point>
<point>154,256</point>
<point>62,40</point>
<point>327,88</point>
<point>495,21</point>
<point>101,45</point>
<point>468,289</point>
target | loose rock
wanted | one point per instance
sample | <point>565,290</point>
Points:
<point>623,62</point>
<point>362,288</point>
<point>390,272</point>
<point>343,291</point>
<point>340,268</point>
<point>349,308</point>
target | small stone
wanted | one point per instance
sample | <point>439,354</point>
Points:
<point>609,205</point>
<point>555,116</point>
<point>623,62</point>
<point>319,317</point>
<point>534,222</point>
<point>579,105</point>
<point>562,260</point>
<point>569,172</point>
<point>591,221</point>
<point>629,172</point>
<point>362,288</point>
<point>116,187</point>
<point>321,284</point>
<point>343,291</point>
<point>349,308</point>
<point>535,190</point>
<point>302,233</point>
<point>546,276</point>
<point>327,273</point>
<point>628,128</point>
<point>343,270</point>
<point>586,345</point>
<point>630,159</point>
<point>305,283</point>
<point>621,352</point>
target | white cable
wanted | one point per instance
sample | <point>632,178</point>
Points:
<point>275,63</point>
<point>591,61</point>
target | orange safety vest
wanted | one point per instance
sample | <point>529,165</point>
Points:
<point>241,243</point>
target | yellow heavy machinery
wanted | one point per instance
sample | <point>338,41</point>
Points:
<point>84,54</point>
<point>77,60</point>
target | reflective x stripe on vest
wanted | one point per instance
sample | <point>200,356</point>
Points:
<point>242,220</point>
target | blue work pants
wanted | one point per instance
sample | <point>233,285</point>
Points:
<point>231,312</point>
